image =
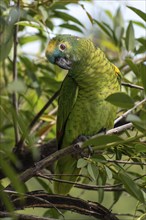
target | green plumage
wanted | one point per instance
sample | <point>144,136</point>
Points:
<point>82,107</point>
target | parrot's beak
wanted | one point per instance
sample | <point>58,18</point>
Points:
<point>63,63</point>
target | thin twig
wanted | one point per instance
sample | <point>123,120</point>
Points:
<point>129,111</point>
<point>126,162</point>
<point>35,119</point>
<point>15,76</point>
<point>108,188</point>
<point>132,85</point>
<point>55,95</point>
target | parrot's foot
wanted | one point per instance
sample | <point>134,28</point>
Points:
<point>80,138</point>
<point>83,138</point>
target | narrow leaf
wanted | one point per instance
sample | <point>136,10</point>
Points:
<point>138,12</point>
<point>81,163</point>
<point>104,28</point>
<point>93,171</point>
<point>130,40</point>
<point>71,27</point>
<point>120,99</point>
<point>131,187</point>
<point>102,140</point>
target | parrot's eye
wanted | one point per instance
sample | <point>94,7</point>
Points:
<point>62,47</point>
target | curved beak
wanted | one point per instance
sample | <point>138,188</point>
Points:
<point>63,63</point>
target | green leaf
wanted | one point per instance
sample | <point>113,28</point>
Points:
<point>143,75</point>
<point>31,24</point>
<point>81,163</point>
<point>102,140</point>
<point>138,12</point>
<point>43,12</point>
<point>140,24</point>
<point>12,175</point>
<point>93,171</point>
<point>6,38</point>
<point>28,39</point>
<point>133,66</point>
<point>140,147</point>
<point>14,16</point>
<point>130,39</point>
<point>109,173</point>
<point>87,13</point>
<point>142,41</point>
<point>118,20</point>
<point>142,217</point>
<point>16,86</point>
<point>121,99</point>
<point>104,28</point>
<point>67,17</point>
<point>131,187</point>
<point>71,27</point>
<point>6,200</point>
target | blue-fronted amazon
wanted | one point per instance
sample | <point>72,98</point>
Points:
<point>82,108</point>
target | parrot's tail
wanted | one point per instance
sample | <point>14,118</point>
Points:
<point>67,171</point>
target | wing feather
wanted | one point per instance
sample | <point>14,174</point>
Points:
<point>67,99</point>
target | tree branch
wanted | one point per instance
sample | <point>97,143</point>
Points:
<point>23,216</point>
<point>108,188</point>
<point>15,77</point>
<point>119,129</point>
<point>45,200</point>
<point>132,85</point>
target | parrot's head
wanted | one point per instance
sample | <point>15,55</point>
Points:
<point>66,50</point>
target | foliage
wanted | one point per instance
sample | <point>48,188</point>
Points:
<point>28,81</point>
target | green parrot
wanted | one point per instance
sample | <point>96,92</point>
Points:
<point>82,108</point>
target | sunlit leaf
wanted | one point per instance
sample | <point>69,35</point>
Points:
<point>93,171</point>
<point>81,163</point>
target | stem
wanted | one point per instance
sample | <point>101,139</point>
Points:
<point>15,77</point>
<point>129,111</point>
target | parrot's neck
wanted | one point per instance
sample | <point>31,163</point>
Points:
<point>94,74</point>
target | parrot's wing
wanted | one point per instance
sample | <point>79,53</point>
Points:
<point>67,99</point>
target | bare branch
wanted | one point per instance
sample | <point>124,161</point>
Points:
<point>45,200</point>
<point>119,129</point>
<point>108,188</point>
<point>15,76</point>
<point>132,85</point>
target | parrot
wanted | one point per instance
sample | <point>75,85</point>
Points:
<point>82,106</point>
